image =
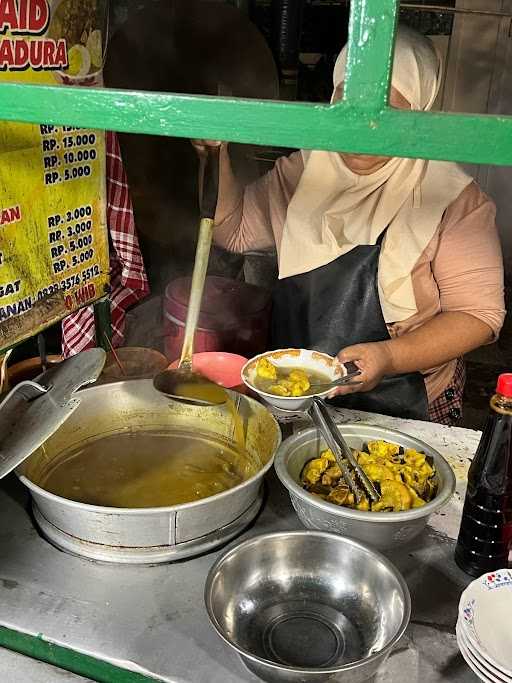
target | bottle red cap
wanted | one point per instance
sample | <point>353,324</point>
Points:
<point>504,386</point>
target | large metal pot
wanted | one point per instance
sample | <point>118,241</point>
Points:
<point>382,530</point>
<point>149,535</point>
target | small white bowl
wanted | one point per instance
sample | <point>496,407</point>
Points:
<point>293,358</point>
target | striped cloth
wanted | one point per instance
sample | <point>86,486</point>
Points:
<point>128,280</point>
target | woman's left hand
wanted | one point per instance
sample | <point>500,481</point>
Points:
<point>373,359</point>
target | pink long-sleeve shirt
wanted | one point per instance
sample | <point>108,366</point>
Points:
<point>460,270</point>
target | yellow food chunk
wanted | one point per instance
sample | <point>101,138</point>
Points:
<point>417,502</point>
<point>297,382</point>
<point>331,476</point>
<point>419,462</point>
<point>365,458</point>
<point>378,472</point>
<point>314,469</point>
<point>416,472</point>
<point>278,390</point>
<point>298,375</point>
<point>300,381</point>
<point>298,389</point>
<point>265,369</point>
<point>394,496</point>
<point>363,504</point>
<point>406,480</point>
<point>328,454</point>
<point>413,458</point>
<point>383,449</point>
<point>339,495</point>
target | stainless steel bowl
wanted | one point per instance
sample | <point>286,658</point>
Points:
<point>382,530</point>
<point>305,606</point>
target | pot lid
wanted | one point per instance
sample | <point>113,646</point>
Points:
<point>33,411</point>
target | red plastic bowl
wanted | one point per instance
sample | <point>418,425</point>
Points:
<point>219,367</point>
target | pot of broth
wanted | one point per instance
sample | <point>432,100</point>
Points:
<point>134,477</point>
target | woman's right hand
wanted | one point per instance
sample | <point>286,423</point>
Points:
<point>202,146</point>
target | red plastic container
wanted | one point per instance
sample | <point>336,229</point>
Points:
<point>234,317</point>
<point>219,367</point>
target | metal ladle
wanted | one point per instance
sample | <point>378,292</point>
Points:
<point>183,383</point>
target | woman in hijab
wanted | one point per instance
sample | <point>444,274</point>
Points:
<point>394,264</point>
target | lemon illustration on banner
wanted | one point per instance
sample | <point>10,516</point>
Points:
<point>95,48</point>
<point>79,61</point>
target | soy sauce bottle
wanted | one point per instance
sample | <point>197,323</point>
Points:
<point>485,536</point>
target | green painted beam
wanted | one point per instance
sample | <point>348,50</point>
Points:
<point>360,124</point>
<point>69,660</point>
<point>341,127</point>
<point>372,29</point>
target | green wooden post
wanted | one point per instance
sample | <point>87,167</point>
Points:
<point>103,323</point>
<point>370,54</point>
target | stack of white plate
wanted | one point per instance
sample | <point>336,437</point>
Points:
<point>484,626</point>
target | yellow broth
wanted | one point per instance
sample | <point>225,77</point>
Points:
<point>204,390</point>
<point>147,469</point>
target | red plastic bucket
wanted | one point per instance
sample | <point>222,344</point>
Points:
<point>234,317</point>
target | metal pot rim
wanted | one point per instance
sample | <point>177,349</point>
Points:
<point>351,666</point>
<point>442,498</point>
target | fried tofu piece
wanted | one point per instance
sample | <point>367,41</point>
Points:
<point>331,476</point>
<point>383,449</point>
<point>313,470</point>
<point>394,496</point>
<point>417,502</point>
<point>300,381</point>
<point>265,369</point>
<point>328,454</point>
<point>278,390</point>
<point>416,472</point>
<point>419,462</point>
<point>339,495</point>
<point>363,505</point>
<point>378,473</point>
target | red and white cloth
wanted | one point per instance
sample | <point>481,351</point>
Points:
<point>128,279</point>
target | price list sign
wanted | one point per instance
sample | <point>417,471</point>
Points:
<point>53,234</point>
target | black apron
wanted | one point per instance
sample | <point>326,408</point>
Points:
<point>338,305</point>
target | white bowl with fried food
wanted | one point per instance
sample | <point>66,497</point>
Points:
<point>283,370</point>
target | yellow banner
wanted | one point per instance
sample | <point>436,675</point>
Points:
<point>53,233</point>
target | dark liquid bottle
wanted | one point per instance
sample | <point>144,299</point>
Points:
<point>485,536</point>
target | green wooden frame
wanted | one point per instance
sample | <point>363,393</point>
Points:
<point>363,122</point>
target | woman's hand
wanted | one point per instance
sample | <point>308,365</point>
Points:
<point>447,336</point>
<point>373,359</point>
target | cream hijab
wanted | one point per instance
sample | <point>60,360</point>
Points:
<point>333,209</point>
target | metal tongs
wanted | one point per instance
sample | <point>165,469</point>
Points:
<point>353,473</point>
